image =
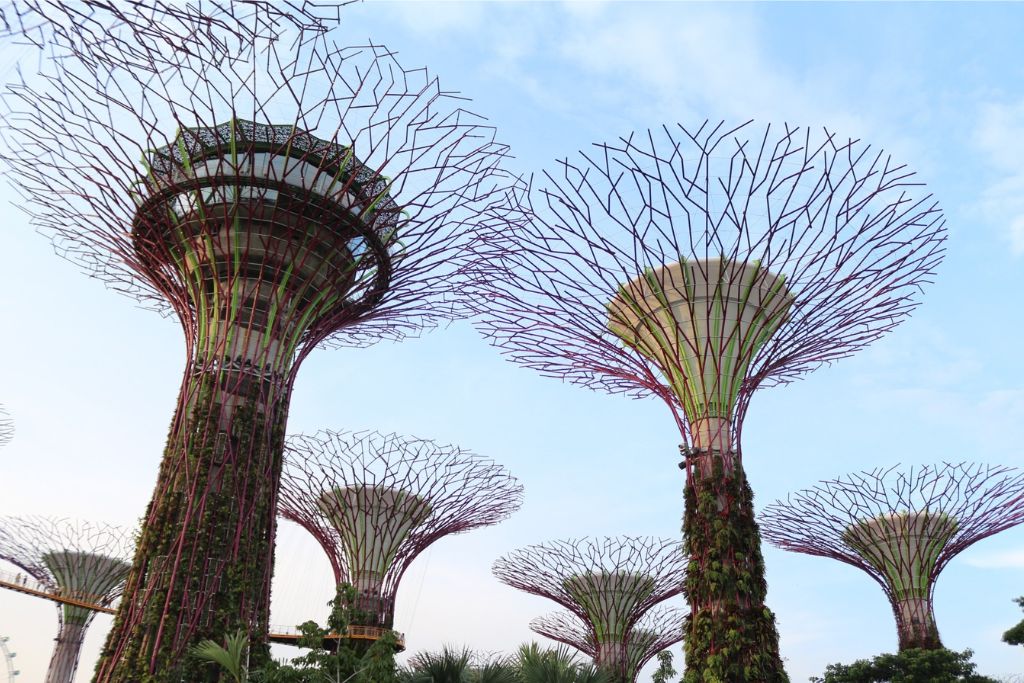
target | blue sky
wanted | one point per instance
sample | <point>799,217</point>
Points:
<point>91,380</point>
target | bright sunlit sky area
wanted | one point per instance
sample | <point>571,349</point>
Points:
<point>91,380</point>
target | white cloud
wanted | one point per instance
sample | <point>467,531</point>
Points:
<point>999,136</point>
<point>1006,559</point>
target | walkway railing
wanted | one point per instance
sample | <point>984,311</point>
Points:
<point>23,583</point>
<point>288,635</point>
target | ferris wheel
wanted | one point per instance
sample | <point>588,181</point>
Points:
<point>12,673</point>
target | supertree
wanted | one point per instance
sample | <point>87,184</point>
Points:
<point>901,526</point>
<point>6,427</point>
<point>93,24</point>
<point>375,501</point>
<point>697,265</point>
<point>80,563</point>
<point>659,629</point>
<point>609,583</point>
<point>295,195</point>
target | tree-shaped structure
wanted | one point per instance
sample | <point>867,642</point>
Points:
<point>296,194</point>
<point>609,583</point>
<point>660,628</point>
<point>79,563</point>
<point>375,501</point>
<point>697,265</point>
<point>901,527</point>
<point>91,26</point>
<point>6,427</point>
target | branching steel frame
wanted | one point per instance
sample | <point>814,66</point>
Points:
<point>609,583</point>
<point>6,427</point>
<point>297,194</point>
<point>901,526</point>
<point>620,274</point>
<point>660,628</point>
<point>375,501</point>
<point>83,561</point>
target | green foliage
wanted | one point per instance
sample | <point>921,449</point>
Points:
<point>730,634</point>
<point>211,511</point>
<point>556,665</point>
<point>908,666</point>
<point>665,671</point>
<point>447,666</point>
<point>1015,635</point>
<point>230,657</point>
<point>531,664</point>
<point>347,664</point>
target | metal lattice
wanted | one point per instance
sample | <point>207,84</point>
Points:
<point>901,526</point>
<point>660,628</point>
<point>6,427</point>
<point>82,562</point>
<point>375,501</point>
<point>609,583</point>
<point>698,264</point>
<point>290,194</point>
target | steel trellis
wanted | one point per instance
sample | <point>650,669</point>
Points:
<point>659,629</point>
<point>79,561</point>
<point>295,194</point>
<point>6,427</point>
<point>901,526</point>
<point>608,583</point>
<point>698,264</point>
<point>375,501</point>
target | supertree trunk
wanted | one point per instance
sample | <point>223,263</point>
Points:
<point>915,624</point>
<point>699,264</point>
<point>730,633</point>
<point>66,652</point>
<point>224,454</point>
<point>901,527</point>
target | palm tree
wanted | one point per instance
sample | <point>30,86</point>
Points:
<point>556,665</point>
<point>229,656</point>
<point>447,666</point>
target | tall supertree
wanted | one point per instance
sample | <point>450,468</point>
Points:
<point>659,629</point>
<point>6,427</point>
<point>79,562</point>
<point>375,501</point>
<point>697,265</point>
<point>609,583</point>
<point>901,526</point>
<point>295,195</point>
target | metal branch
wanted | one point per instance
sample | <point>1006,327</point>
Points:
<point>275,192</point>
<point>659,629</point>
<point>901,526</point>
<point>79,563</point>
<point>847,234</point>
<point>610,583</point>
<point>6,427</point>
<point>375,501</point>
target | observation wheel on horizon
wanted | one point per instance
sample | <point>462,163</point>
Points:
<point>8,656</point>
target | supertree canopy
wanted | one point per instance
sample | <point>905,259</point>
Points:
<point>696,265</point>
<point>660,628</point>
<point>375,501</point>
<point>901,526</point>
<point>93,25</point>
<point>608,583</point>
<point>79,563</point>
<point>296,194</point>
<point>6,427</point>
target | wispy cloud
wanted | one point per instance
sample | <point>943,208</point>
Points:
<point>999,136</point>
<point>1006,559</point>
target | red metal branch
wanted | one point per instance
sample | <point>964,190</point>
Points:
<point>375,501</point>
